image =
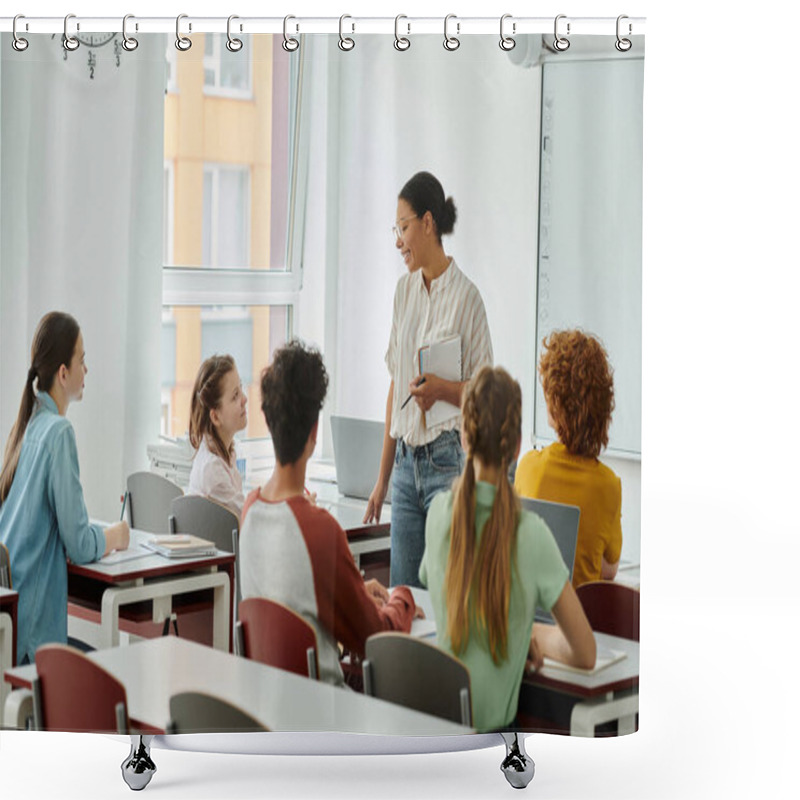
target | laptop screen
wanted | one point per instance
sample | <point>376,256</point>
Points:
<point>357,447</point>
<point>563,523</point>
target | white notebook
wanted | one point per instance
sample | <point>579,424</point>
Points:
<point>605,658</point>
<point>118,556</point>
<point>442,358</point>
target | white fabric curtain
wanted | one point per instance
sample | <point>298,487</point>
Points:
<point>82,182</point>
<point>471,117</point>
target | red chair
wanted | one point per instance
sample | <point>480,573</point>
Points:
<point>611,608</point>
<point>273,634</point>
<point>71,693</point>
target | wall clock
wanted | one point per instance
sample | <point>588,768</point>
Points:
<point>87,53</point>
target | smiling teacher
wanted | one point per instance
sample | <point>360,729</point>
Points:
<point>434,301</point>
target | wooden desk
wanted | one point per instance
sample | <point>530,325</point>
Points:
<point>154,670</point>
<point>610,694</point>
<point>107,587</point>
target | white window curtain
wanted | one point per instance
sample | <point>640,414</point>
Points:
<point>82,231</point>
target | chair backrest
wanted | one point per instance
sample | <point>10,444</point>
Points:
<point>611,608</point>
<point>192,513</point>
<point>273,634</point>
<point>5,568</point>
<point>72,693</point>
<point>414,673</point>
<point>195,712</point>
<point>149,500</point>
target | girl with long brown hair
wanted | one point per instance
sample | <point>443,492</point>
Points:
<point>488,564</point>
<point>219,411</point>
<point>43,519</point>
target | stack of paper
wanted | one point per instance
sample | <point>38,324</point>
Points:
<point>180,546</point>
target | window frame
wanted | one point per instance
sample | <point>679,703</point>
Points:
<point>215,286</point>
<point>213,63</point>
<point>172,61</point>
<point>215,168</point>
<point>169,212</point>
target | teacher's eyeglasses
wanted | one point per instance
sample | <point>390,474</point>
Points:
<point>398,233</point>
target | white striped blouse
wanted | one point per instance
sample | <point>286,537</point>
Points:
<point>453,305</point>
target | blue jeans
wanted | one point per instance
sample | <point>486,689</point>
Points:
<point>419,474</point>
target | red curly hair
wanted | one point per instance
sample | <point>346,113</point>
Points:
<point>579,390</point>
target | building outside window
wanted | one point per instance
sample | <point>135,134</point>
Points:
<point>227,284</point>
<point>224,73</point>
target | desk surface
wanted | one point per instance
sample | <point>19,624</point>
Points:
<point>154,670</point>
<point>623,674</point>
<point>148,566</point>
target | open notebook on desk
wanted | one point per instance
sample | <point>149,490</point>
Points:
<point>605,658</point>
<point>119,556</point>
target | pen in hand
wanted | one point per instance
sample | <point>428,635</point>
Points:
<point>405,402</point>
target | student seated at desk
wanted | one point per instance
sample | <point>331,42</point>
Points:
<point>43,519</point>
<point>296,553</point>
<point>219,410</point>
<point>579,391</point>
<point>488,563</point>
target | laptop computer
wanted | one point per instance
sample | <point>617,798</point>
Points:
<point>357,447</point>
<point>563,523</point>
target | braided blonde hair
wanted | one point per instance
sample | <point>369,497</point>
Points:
<point>478,585</point>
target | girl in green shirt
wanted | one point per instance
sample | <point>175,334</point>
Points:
<point>488,563</point>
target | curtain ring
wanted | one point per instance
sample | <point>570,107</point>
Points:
<point>128,42</point>
<point>69,42</point>
<point>290,44</point>
<point>507,42</point>
<point>451,43</point>
<point>623,45</point>
<point>561,43</point>
<point>183,43</point>
<point>401,43</point>
<point>345,42</point>
<point>233,44</point>
<point>17,42</point>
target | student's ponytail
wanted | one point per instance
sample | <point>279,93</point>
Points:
<point>478,584</point>
<point>461,559</point>
<point>53,345</point>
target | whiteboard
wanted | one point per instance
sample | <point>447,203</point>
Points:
<point>590,225</point>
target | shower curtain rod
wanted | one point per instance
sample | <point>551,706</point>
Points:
<point>406,25</point>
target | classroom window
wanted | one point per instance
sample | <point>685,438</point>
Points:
<point>231,164</point>
<point>225,73</point>
<point>228,285</point>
